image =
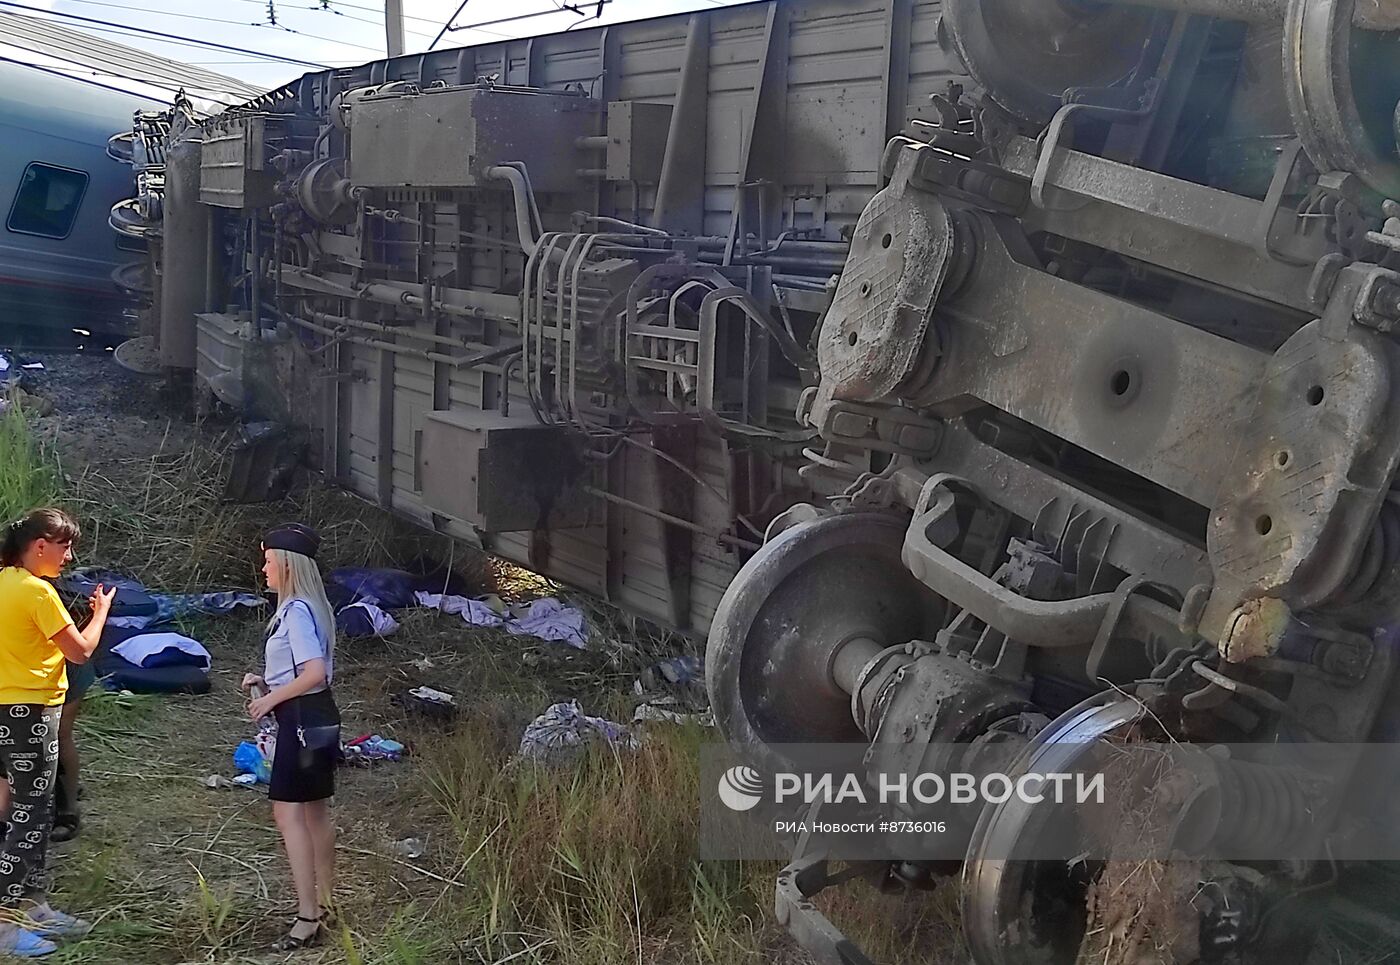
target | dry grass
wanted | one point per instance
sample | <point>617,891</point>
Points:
<point>592,865</point>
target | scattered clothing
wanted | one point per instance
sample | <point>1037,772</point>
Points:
<point>682,677</point>
<point>476,613</point>
<point>170,606</point>
<point>163,650</point>
<point>363,619</point>
<point>563,730</point>
<point>390,589</point>
<point>551,620</point>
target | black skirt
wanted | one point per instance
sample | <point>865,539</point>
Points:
<point>300,774</point>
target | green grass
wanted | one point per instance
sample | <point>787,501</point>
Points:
<point>29,469</point>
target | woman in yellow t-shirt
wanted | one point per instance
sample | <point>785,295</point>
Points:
<point>36,635</point>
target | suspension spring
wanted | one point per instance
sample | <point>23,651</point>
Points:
<point>1381,555</point>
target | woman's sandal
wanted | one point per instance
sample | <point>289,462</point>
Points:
<point>292,943</point>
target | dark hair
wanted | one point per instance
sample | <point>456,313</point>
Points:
<point>48,523</point>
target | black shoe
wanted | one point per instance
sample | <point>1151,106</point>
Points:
<point>291,943</point>
<point>65,828</point>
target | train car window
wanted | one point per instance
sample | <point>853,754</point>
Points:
<point>47,201</point>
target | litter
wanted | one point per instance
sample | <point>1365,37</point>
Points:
<point>217,782</point>
<point>551,620</point>
<point>247,780</point>
<point>368,748</point>
<point>476,613</point>
<point>563,730</point>
<point>427,701</point>
<point>653,714</point>
<point>409,848</point>
<point>682,677</point>
<point>170,606</point>
<point>437,696</point>
<point>33,366</point>
<point>423,664</point>
<point>250,761</point>
<point>361,619</point>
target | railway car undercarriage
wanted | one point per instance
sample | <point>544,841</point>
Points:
<point>1097,404</point>
<point>1098,500</point>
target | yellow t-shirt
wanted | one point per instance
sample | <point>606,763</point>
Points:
<point>32,669</point>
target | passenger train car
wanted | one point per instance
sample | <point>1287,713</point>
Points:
<point>58,184</point>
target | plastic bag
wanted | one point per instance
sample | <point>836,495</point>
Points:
<point>249,760</point>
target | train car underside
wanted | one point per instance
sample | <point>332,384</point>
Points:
<point>1090,418</point>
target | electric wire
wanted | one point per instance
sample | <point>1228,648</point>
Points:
<point>157,69</point>
<point>157,33</point>
<point>239,23</point>
<point>163,81</point>
<point>82,80</point>
<point>447,24</point>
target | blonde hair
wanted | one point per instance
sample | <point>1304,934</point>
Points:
<point>299,579</point>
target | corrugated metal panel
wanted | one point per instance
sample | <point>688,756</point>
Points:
<point>835,63</point>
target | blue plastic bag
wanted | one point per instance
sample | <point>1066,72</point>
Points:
<point>249,760</point>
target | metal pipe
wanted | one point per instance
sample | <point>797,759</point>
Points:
<point>597,142</point>
<point>520,189</point>
<point>725,538</point>
<point>325,318</point>
<point>469,361</point>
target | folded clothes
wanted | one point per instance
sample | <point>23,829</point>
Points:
<point>163,650</point>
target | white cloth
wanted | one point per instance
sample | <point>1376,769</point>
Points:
<point>294,641</point>
<point>474,612</point>
<point>381,622</point>
<point>139,648</point>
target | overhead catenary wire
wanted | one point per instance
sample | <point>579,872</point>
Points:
<point>57,44</point>
<point>41,38</point>
<point>173,86</point>
<point>447,24</point>
<point>157,33</point>
<point>83,80</point>
<point>269,25</point>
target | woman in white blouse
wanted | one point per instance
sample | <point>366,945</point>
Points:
<point>295,688</point>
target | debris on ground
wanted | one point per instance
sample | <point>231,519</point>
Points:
<point>657,713</point>
<point>681,678</point>
<point>368,748</point>
<point>562,731</point>
<point>548,619</point>
<point>361,619</point>
<point>248,759</point>
<point>476,613</point>
<point>263,462</point>
<point>427,702</point>
<point>409,848</point>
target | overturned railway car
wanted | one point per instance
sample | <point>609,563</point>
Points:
<point>972,373</point>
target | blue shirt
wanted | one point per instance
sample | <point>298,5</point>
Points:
<point>295,640</point>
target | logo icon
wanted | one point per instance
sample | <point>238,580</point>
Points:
<point>741,788</point>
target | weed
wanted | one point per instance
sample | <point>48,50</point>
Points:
<point>29,469</point>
